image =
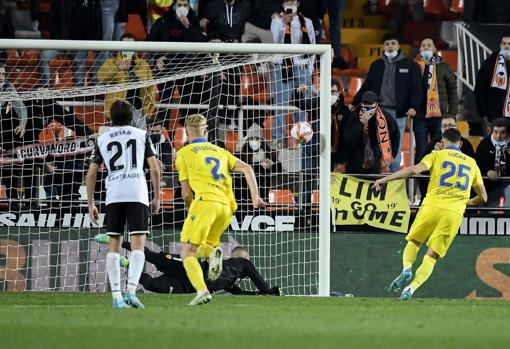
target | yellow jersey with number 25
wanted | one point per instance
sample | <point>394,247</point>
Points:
<point>207,167</point>
<point>452,174</point>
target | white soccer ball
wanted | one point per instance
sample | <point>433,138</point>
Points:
<point>302,132</point>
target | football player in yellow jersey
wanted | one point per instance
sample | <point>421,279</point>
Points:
<point>452,175</point>
<point>204,173</point>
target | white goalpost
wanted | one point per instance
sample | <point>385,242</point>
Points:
<point>57,93</point>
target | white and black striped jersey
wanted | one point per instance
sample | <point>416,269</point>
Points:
<point>123,150</point>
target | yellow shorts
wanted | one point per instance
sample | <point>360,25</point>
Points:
<point>437,225</point>
<point>205,223</point>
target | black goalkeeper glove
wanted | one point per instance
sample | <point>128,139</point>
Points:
<point>275,291</point>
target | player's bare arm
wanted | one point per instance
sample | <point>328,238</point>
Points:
<point>91,184</point>
<point>402,174</point>
<point>480,198</point>
<point>248,173</point>
<point>186,193</point>
<point>154,169</point>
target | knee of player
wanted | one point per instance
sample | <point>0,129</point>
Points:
<point>188,250</point>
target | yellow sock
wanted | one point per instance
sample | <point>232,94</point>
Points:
<point>409,255</point>
<point>194,272</point>
<point>423,272</point>
<point>204,251</point>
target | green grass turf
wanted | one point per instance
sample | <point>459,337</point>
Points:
<point>62,320</point>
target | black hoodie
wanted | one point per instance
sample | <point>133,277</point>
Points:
<point>169,28</point>
<point>226,22</point>
<point>261,12</point>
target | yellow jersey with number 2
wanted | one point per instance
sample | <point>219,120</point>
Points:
<point>207,167</point>
<point>452,174</point>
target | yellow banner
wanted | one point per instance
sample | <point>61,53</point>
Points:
<point>355,201</point>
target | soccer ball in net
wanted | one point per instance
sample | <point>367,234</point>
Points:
<point>302,132</point>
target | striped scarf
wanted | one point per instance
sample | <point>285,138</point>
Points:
<point>500,81</point>
<point>433,105</point>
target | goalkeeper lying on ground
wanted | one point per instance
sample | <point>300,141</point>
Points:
<point>175,280</point>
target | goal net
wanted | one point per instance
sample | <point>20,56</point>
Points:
<point>54,101</point>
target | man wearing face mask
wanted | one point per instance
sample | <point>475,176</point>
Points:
<point>289,74</point>
<point>397,82</point>
<point>491,156</point>
<point>371,138</point>
<point>439,88</point>
<point>127,67</point>
<point>265,164</point>
<point>492,91</point>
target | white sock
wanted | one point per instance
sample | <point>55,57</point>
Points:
<point>113,270</point>
<point>136,264</point>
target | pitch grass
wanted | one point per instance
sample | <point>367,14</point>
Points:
<point>62,320</point>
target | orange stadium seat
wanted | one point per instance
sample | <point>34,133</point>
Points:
<point>231,139</point>
<point>268,126</point>
<point>135,26</point>
<point>281,199</point>
<point>437,9</point>
<point>315,200</point>
<point>457,6</point>
<point>386,7</point>
<point>53,132</point>
<point>354,85</point>
<point>179,138</point>
<point>167,197</point>
<point>450,57</point>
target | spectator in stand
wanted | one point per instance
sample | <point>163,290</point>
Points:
<point>371,138</point>
<point>491,157</point>
<point>439,89</point>
<point>114,17</point>
<point>315,10</point>
<point>256,152</point>
<point>178,24</point>
<point>492,91</point>
<point>339,115</point>
<point>162,144</point>
<point>258,26</point>
<point>35,14</point>
<point>6,29</point>
<point>71,20</point>
<point>224,20</point>
<point>487,11</point>
<point>13,114</point>
<point>335,11</point>
<point>128,67</point>
<point>290,74</point>
<point>397,82</point>
<point>447,121</point>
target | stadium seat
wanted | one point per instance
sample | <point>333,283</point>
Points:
<point>51,133</point>
<point>167,197</point>
<point>463,127</point>
<point>281,199</point>
<point>231,140</point>
<point>253,85</point>
<point>354,85</point>
<point>475,141</point>
<point>180,138</point>
<point>437,9</point>
<point>63,79</point>
<point>268,126</point>
<point>24,80</point>
<point>450,57</point>
<point>315,200</point>
<point>135,26</point>
<point>457,7</point>
<point>22,58</point>
<point>386,7</point>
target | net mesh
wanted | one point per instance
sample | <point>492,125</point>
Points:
<point>55,103</point>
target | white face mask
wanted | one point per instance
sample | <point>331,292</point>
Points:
<point>427,54</point>
<point>391,55</point>
<point>498,143</point>
<point>181,11</point>
<point>334,98</point>
<point>127,55</point>
<point>292,8</point>
<point>505,53</point>
<point>254,144</point>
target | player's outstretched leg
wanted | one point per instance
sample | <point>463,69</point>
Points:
<point>408,258</point>
<point>215,264</point>
<point>422,274</point>
<point>195,274</point>
<point>102,238</point>
<point>136,264</point>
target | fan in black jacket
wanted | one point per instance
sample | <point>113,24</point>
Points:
<point>492,157</point>
<point>225,19</point>
<point>356,141</point>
